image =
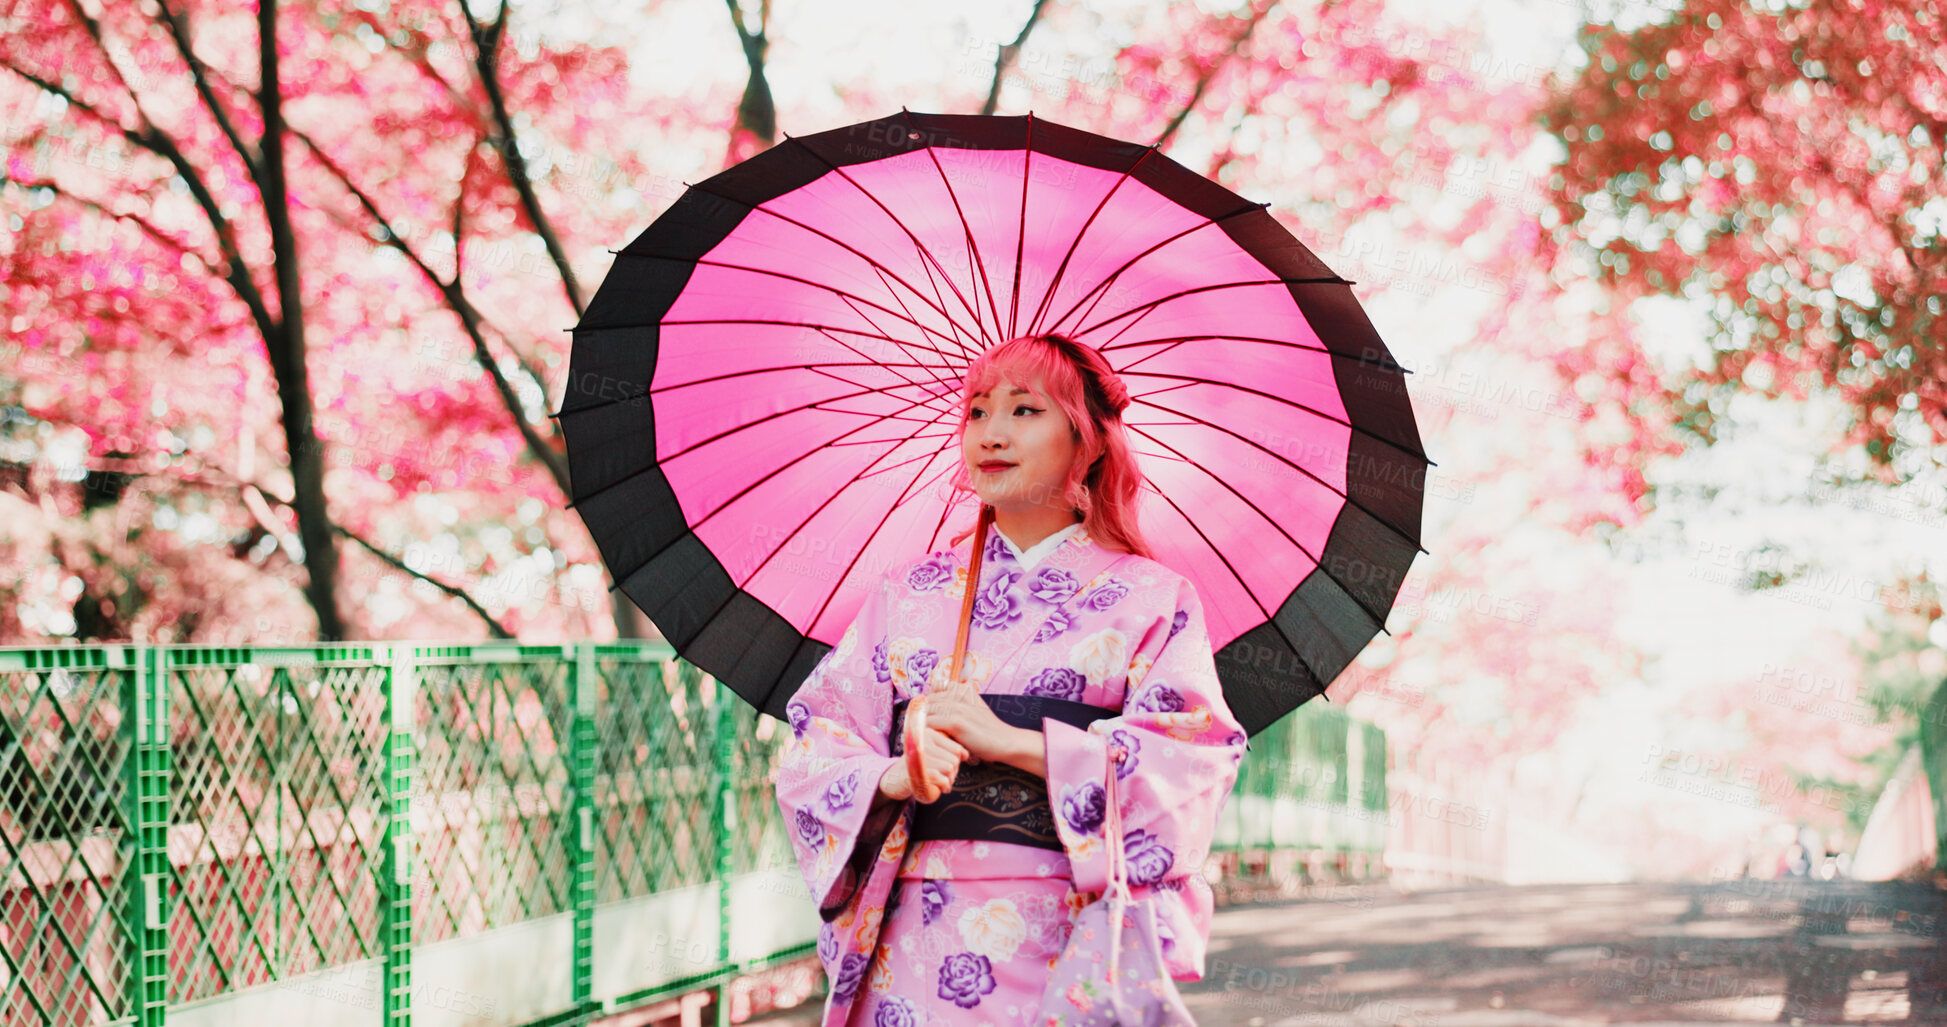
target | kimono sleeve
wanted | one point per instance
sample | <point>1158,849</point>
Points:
<point>1184,747</point>
<point>828,773</point>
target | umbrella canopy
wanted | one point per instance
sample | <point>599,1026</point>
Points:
<point>762,409</point>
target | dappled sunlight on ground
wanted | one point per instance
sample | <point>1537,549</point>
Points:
<point>1756,951</point>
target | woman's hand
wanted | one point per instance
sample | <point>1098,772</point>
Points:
<point>943,757</point>
<point>959,711</point>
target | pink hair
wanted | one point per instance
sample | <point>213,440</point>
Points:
<point>1077,379</point>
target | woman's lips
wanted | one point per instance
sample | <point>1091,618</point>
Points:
<point>991,468</point>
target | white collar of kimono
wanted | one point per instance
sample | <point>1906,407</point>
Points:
<point>1040,549</point>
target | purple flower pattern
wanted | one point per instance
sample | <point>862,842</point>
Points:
<point>1129,741</point>
<point>999,604</point>
<point>840,793</point>
<point>1176,624</point>
<point>1057,622</point>
<point>881,667</point>
<point>1160,698</point>
<point>1057,683</point>
<point>919,667</point>
<point>1084,807</point>
<point>964,977</point>
<point>933,899</point>
<point>800,717</point>
<point>811,830</point>
<point>895,1012</point>
<point>1109,594</point>
<point>1147,857</point>
<point>931,575</point>
<point>1053,585</point>
<point>850,972</point>
<point>827,943</point>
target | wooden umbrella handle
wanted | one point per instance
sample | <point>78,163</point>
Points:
<point>915,733</point>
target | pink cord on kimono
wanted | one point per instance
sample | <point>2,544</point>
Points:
<point>1118,873</point>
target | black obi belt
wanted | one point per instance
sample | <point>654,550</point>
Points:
<point>992,801</point>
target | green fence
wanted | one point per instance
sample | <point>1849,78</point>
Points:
<point>1315,780</point>
<point>474,835</point>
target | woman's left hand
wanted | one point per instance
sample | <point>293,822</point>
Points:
<point>958,711</point>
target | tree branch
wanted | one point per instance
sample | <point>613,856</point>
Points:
<point>1005,59</point>
<point>1210,74</point>
<point>94,32</point>
<point>141,222</point>
<point>179,30</point>
<point>499,630</point>
<point>471,319</point>
<point>756,111</point>
<point>286,345</point>
<point>150,138</point>
<point>250,488</point>
<point>486,59</point>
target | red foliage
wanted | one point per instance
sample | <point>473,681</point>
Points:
<point>1787,167</point>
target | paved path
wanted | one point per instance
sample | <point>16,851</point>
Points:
<point>1783,951</point>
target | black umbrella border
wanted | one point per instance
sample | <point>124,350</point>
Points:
<point>607,419</point>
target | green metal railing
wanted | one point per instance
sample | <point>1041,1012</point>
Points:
<point>1315,780</point>
<point>394,833</point>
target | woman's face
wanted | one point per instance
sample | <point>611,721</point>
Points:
<point>1013,424</point>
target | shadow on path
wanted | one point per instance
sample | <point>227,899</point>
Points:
<point>1747,951</point>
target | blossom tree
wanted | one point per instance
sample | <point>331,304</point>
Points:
<point>1782,166</point>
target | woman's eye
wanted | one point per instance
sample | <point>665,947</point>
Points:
<point>1029,409</point>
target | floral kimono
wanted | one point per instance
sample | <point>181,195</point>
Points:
<point>952,931</point>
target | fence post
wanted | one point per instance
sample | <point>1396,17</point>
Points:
<point>726,823</point>
<point>145,797</point>
<point>395,871</point>
<point>581,813</point>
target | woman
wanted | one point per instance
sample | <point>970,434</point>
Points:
<point>953,912</point>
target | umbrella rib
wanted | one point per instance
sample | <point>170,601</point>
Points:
<point>1341,493</point>
<point>917,244</point>
<point>1219,553</point>
<point>1378,620</point>
<point>872,420</point>
<point>973,247</point>
<point>972,342</point>
<point>964,349</point>
<point>936,350</point>
<point>1194,380</point>
<point>829,500</point>
<point>1194,290</point>
<point>1386,364</point>
<point>834,290</point>
<point>1076,243</point>
<point>871,362</point>
<point>766,370</point>
<point>909,438</point>
<point>1173,344</point>
<point>1110,278</point>
<point>875,418</point>
<point>1021,234</point>
<point>938,307</point>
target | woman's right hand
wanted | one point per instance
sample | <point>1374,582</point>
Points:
<point>943,756</point>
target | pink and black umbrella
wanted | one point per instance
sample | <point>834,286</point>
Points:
<point>762,406</point>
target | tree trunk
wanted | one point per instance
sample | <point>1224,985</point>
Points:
<point>285,348</point>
